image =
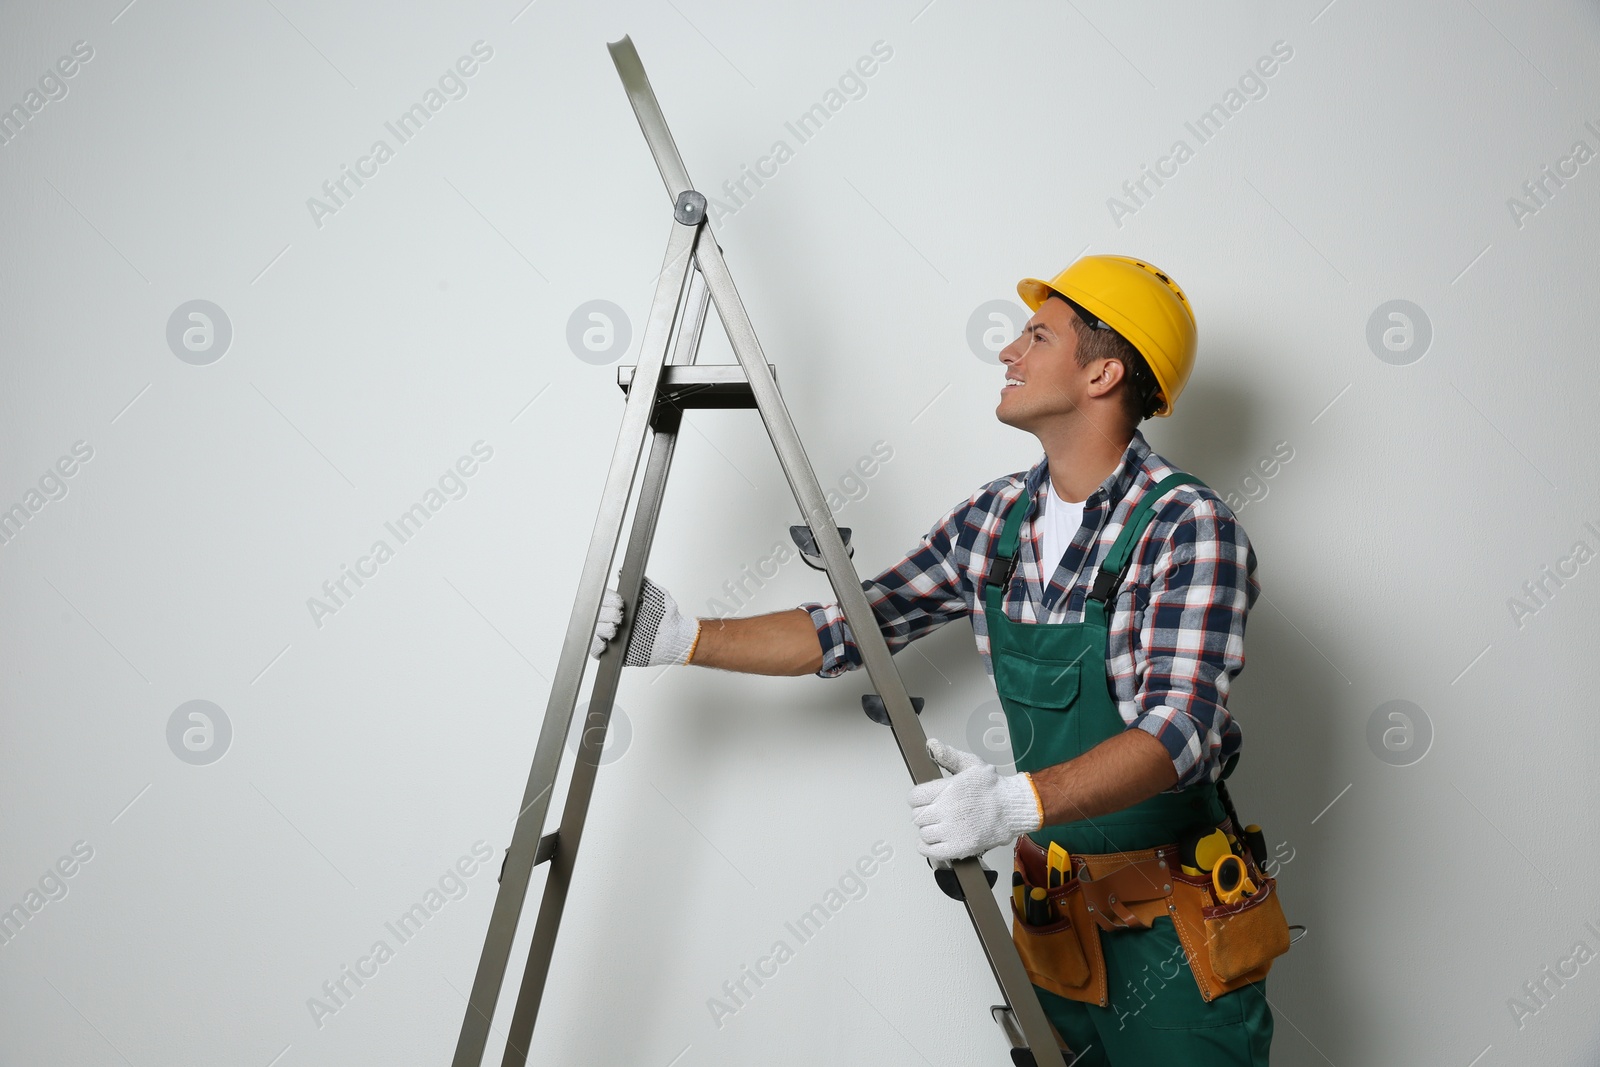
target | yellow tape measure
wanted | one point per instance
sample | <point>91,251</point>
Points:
<point>1229,879</point>
<point>1199,853</point>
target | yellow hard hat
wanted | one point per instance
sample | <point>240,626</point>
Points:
<point>1138,301</point>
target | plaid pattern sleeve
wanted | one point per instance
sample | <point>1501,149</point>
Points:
<point>1190,621</point>
<point>911,599</point>
<point>1175,636</point>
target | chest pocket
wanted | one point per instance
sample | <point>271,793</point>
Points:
<point>1046,684</point>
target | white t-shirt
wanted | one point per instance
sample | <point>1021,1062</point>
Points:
<point>1058,523</point>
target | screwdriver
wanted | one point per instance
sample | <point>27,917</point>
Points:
<point>1038,907</point>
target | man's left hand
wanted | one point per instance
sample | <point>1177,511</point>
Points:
<point>973,812</point>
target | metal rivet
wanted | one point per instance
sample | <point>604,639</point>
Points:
<point>1166,889</point>
<point>1112,898</point>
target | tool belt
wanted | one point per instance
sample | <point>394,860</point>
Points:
<point>1111,894</point>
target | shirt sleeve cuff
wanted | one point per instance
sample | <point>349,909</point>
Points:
<point>833,635</point>
<point>1177,733</point>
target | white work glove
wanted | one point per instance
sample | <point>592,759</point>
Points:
<point>975,811</point>
<point>661,634</point>
<point>605,627</point>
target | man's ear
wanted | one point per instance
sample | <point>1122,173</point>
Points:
<point>1110,373</point>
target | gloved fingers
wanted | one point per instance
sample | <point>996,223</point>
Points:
<point>605,626</point>
<point>942,842</point>
<point>952,759</point>
<point>928,815</point>
<point>925,793</point>
<point>940,850</point>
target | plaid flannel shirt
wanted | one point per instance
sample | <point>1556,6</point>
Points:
<point>1176,630</point>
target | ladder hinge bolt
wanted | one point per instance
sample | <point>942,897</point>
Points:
<point>690,208</point>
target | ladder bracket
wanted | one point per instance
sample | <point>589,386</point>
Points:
<point>872,704</point>
<point>812,555</point>
<point>1021,1055</point>
<point>945,875</point>
<point>546,849</point>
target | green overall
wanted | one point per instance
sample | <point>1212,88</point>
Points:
<point>1052,683</point>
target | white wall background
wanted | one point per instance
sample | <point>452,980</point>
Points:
<point>369,753</point>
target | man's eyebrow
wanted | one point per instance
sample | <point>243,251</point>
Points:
<point>1036,326</point>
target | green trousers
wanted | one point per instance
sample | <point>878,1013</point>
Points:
<point>1157,1017</point>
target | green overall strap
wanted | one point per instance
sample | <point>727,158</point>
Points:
<point>998,580</point>
<point>1115,565</point>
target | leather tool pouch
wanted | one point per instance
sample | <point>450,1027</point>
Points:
<point>1226,945</point>
<point>1128,893</point>
<point>1062,956</point>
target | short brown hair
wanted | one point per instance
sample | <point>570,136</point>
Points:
<point>1141,393</point>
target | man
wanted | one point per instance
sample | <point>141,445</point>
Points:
<point>1108,593</point>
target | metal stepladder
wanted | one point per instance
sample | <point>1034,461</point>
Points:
<point>658,389</point>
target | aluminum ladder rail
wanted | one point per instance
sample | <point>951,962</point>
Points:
<point>658,390</point>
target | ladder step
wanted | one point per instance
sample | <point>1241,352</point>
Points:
<point>811,555</point>
<point>1021,1055</point>
<point>945,875</point>
<point>542,854</point>
<point>546,849</point>
<point>699,385</point>
<point>872,704</point>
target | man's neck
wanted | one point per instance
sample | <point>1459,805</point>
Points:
<point>1081,455</point>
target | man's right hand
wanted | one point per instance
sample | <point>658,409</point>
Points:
<point>661,635</point>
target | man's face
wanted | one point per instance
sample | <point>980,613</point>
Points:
<point>1043,379</point>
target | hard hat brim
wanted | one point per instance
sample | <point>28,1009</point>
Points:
<point>1035,292</point>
